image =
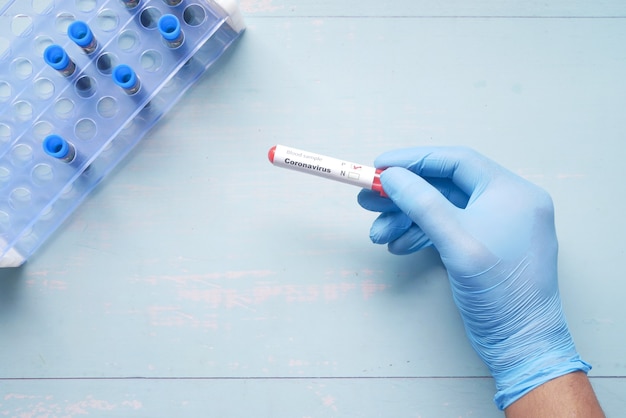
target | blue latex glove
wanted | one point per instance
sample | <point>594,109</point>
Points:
<point>495,234</point>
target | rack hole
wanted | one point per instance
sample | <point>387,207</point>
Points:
<point>85,86</point>
<point>20,197</point>
<point>44,88</point>
<point>194,15</point>
<point>41,43</point>
<point>150,17</point>
<point>151,60</point>
<point>41,130</point>
<point>64,108</point>
<point>22,68</point>
<point>21,154</point>
<point>67,192</point>
<point>21,25</point>
<point>5,91</point>
<point>5,132</point>
<point>107,107</point>
<point>23,110</point>
<point>46,213</point>
<point>5,176</point>
<point>62,22</point>
<point>106,62</point>
<point>128,41</point>
<point>107,20</point>
<point>42,174</point>
<point>85,129</point>
<point>86,5</point>
<point>42,7</point>
<point>5,219</point>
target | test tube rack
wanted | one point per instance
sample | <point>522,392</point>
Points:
<point>81,82</point>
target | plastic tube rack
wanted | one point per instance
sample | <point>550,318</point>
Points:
<point>81,82</point>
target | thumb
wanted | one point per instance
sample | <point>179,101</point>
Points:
<point>423,203</point>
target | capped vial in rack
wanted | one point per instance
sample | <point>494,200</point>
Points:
<point>65,119</point>
<point>126,78</point>
<point>169,27</point>
<point>57,147</point>
<point>56,57</point>
<point>130,4</point>
<point>80,33</point>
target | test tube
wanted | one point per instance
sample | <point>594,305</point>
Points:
<point>56,57</point>
<point>126,78</point>
<point>57,147</point>
<point>79,32</point>
<point>169,27</point>
<point>130,3</point>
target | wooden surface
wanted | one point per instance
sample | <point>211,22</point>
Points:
<point>198,280</point>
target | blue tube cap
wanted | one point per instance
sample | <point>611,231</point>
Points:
<point>55,146</point>
<point>124,76</point>
<point>169,27</point>
<point>80,33</point>
<point>56,57</point>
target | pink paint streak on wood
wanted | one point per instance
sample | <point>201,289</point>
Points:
<point>42,406</point>
<point>219,297</point>
<point>369,288</point>
<point>83,407</point>
<point>174,316</point>
<point>47,284</point>
<point>185,279</point>
<point>19,396</point>
<point>329,401</point>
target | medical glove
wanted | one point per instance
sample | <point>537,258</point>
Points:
<point>495,234</point>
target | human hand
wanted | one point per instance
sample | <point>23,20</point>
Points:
<point>496,237</point>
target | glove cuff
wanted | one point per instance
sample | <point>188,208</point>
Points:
<point>505,397</point>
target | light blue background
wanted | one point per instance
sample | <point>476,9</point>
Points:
<point>198,280</point>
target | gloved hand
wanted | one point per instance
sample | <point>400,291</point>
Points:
<point>495,234</point>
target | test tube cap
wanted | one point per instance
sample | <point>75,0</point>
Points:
<point>79,32</point>
<point>55,146</point>
<point>271,153</point>
<point>56,57</point>
<point>169,27</point>
<point>124,76</point>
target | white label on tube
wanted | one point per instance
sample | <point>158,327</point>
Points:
<point>323,166</point>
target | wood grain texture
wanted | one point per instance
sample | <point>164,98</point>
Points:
<point>198,276</point>
<point>301,398</point>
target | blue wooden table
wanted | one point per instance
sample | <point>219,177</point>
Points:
<point>198,280</point>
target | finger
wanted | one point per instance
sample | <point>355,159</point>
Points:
<point>423,203</point>
<point>467,169</point>
<point>413,240</point>
<point>373,201</point>
<point>389,226</point>
<point>450,191</point>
